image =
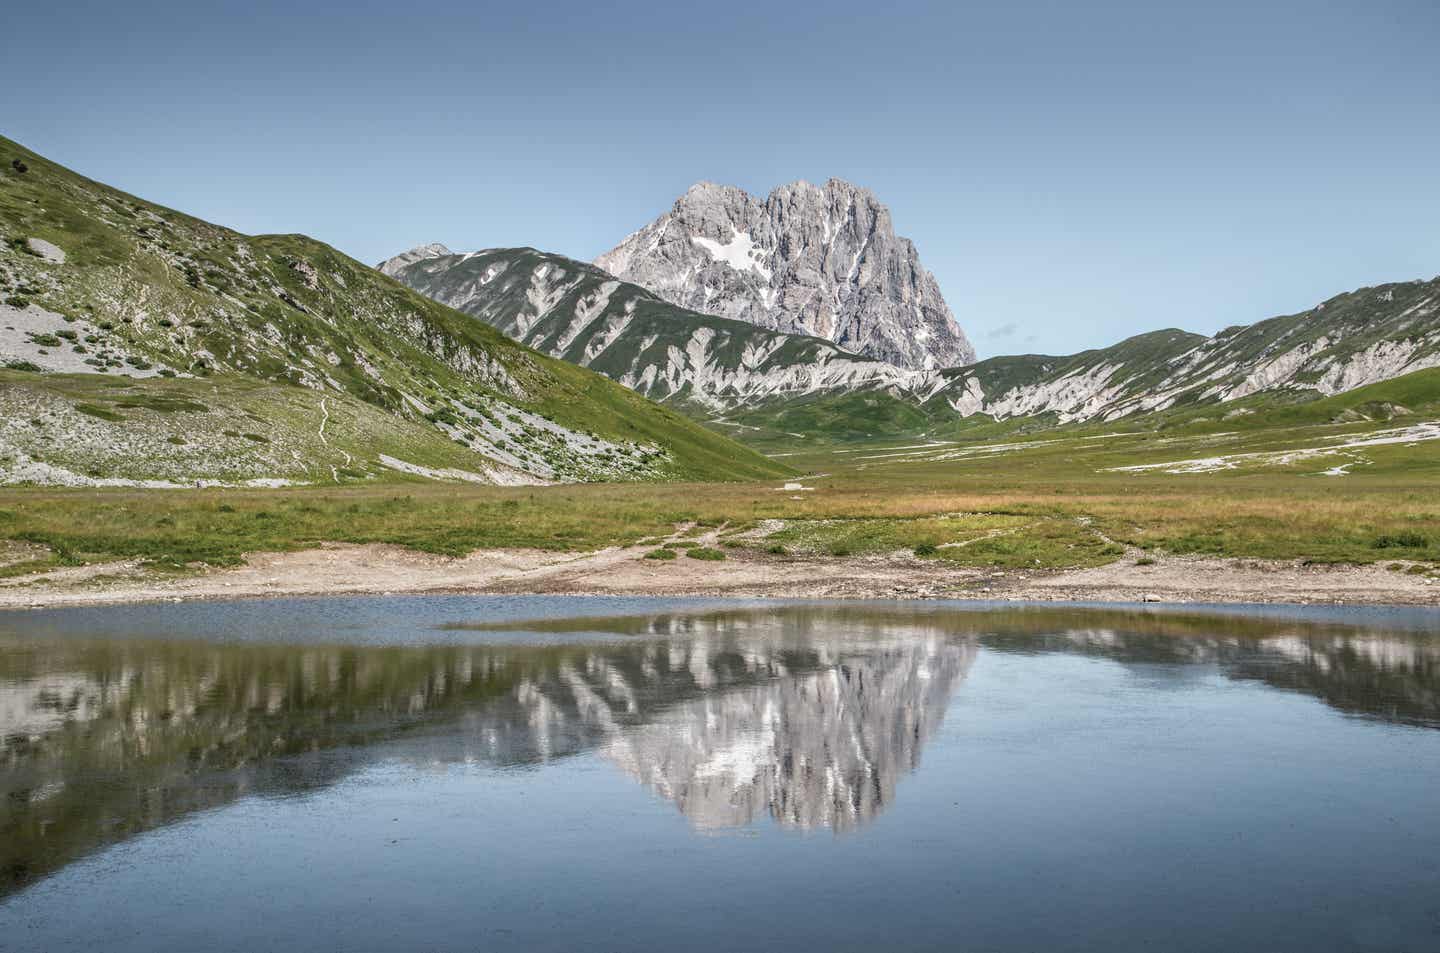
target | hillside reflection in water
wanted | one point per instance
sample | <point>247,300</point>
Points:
<point>808,715</point>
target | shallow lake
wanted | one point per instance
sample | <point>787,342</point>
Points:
<point>459,773</point>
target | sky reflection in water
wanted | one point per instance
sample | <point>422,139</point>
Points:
<point>168,770</point>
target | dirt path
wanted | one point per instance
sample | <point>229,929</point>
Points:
<point>337,569</point>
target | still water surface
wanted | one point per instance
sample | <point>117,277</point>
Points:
<point>560,774</point>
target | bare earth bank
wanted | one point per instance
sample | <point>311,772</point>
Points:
<point>337,569</point>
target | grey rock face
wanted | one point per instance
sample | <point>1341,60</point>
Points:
<point>815,260</point>
<point>392,266</point>
<point>46,250</point>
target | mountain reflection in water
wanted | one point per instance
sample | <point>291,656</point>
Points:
<point>810,715</point>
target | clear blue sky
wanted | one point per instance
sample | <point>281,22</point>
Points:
<point>1072,172</point>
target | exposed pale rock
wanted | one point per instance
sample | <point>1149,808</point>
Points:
<point>580,313</point>
<point>307,273</point>
<point>391,266</point>
<point>46,250</point>
<point>816,260</point>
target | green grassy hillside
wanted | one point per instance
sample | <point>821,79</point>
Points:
<point>96,281</point>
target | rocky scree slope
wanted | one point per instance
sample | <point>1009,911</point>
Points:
<point>1353,339</point>
<point>574,311</point>
<point>97,282</point>
<point>815,260</point>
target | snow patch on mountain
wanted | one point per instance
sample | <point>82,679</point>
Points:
<point>739,253</point>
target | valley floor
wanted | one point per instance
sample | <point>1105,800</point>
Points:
<point>348,569</point>
<point>1315,506</point>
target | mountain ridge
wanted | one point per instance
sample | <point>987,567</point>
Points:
<point>1351,339</point>
<point>573,310</point>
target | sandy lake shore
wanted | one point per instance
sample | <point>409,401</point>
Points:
<point>345,569</point>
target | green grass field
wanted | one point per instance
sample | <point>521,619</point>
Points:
<point>1049,500</point>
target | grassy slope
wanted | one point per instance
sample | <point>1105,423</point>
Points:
<point>839,418</point>
<point>857,418</point>
<point>193,297</point>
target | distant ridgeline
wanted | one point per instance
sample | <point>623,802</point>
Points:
<point>140,346</point>
<point>713,365</point>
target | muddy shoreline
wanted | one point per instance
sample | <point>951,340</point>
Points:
<point>348,570</point>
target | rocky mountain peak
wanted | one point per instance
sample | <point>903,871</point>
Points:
<point>807,259</point>
<point>392,266</point>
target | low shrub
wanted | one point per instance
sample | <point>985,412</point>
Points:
<point>706,553</point>
<point>1400,541</point>
<point>100,412</point>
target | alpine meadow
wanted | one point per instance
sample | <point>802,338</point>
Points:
<point>179,396</point>
<point>773,477</point>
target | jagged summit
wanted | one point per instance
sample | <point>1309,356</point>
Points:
<point>816,260</point>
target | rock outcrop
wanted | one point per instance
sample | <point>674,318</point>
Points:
<point>393,266</point>
<point>822,261</point>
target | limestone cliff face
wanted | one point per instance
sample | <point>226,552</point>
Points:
<point>579,313</point>
<point>816,260</point>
